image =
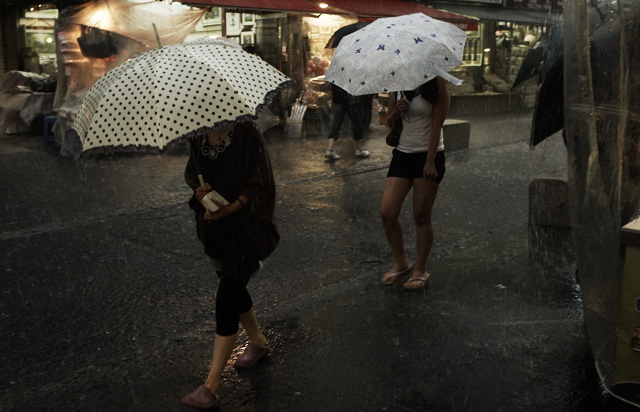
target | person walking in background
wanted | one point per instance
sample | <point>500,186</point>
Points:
<point>345,104</point>
<point>237,237</point>
<point>417,162</point>
<point>367,109</point>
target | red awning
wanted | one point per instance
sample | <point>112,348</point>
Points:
<point>366,10</point>
<point>289,6</point>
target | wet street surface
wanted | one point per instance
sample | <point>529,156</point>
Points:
<point>107,297</point>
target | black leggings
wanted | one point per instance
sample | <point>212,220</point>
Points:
<point>239,260</point>
<point>233,299</point>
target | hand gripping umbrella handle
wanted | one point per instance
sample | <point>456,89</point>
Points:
<point>200,178</point>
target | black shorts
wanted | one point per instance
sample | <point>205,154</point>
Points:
<point>411,165</point>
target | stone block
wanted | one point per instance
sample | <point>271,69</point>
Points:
<point>549,217</point>
<point>549,202</point>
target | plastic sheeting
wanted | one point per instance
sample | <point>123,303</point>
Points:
<point>602,125</point>
<point>135,19</point>
<point>95,37</point>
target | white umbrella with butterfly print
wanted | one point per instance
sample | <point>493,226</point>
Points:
<point>176,91</point>
<point>396,53</point>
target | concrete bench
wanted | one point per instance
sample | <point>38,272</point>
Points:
<point>456,134</point>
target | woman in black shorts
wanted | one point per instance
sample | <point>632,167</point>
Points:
<point>417,162</point>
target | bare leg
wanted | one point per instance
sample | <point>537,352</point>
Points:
<point>250,324</point>
<point>331,142</point>
<point>395,191</point>
<point>222,348</point>
<point>424,196</point>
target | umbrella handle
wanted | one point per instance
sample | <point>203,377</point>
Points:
<point>201,179</point>
<point>155,30</point>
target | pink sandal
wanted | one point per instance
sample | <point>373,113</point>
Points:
<point>251,355</point>
<point>202,399</point>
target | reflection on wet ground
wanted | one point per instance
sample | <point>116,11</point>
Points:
<point>107,300</point>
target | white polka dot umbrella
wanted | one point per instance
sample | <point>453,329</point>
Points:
<point>176,91</point>
<point>396,53</point>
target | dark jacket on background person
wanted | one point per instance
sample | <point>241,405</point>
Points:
<point>339,95</point>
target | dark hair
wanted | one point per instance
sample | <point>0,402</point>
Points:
<point>429,91</point>
<point>251,49</point>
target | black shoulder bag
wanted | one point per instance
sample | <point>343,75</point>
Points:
<point>393,138</point>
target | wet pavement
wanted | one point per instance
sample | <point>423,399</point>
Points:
<point>107,298</point>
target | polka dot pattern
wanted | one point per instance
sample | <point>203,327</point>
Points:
<point>161,95</point>
<point>396,53</point>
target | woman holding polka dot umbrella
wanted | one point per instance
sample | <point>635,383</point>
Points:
<point>239,232</point>
<point>208,90</point>
<point>157,97</point>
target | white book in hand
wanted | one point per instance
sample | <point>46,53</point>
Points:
<point>208,203</point>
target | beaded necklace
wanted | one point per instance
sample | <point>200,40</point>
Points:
<point>212,152</point>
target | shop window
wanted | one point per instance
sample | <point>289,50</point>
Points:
<point>316,33</point>
<point>39,39</point>
<point>472,55</point>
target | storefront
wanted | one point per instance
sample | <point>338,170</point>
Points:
<point>507,30</point>
<point>29,67</point>
<point>39,52</point>
<point>27,40</point>
<point>494,52</point>
<point>293,35</point>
